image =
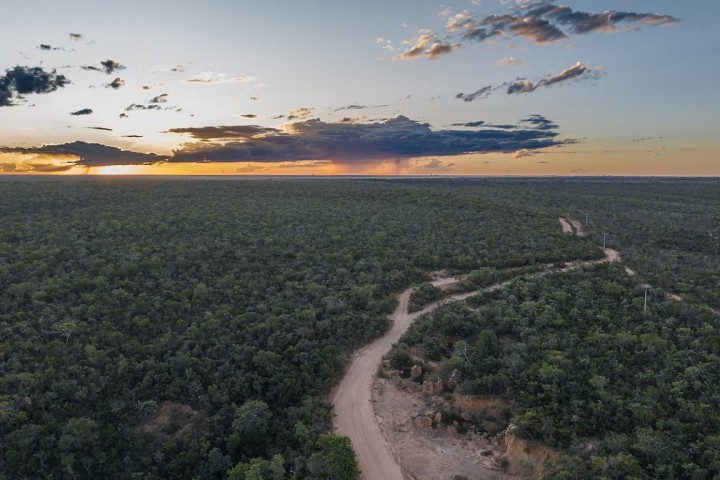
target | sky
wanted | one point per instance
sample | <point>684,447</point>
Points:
<point>402,87</point>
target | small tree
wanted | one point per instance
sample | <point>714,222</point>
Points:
<point>339,456</point>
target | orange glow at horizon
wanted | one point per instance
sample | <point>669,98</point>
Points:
<point>663,162</point>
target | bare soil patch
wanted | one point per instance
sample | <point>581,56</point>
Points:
<point>566,227</point>
<point>431,445</point>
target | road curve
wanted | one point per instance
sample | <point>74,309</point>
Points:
<point>354,413</point>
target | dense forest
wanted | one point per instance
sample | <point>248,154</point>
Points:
<point>622,393</point>
<point>619,389</point>
<point>184,329</point>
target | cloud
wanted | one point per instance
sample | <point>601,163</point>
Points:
<point>430,46</point>
<point>351,107</point>
<point>224,133</point>
<point>76,37</point>
<point>435,164</point>
<point>132,136</point>
<point>162,98</point>
<point>354,106</point>
<point>353,119</point>
<point>251,168</point>
<point>478,123</point>
<point>212,78</point>
<point>417,48</point>
<point>540,22</point>
<point>89,154</point>
<point>138,106</point>
<point>101,128</point>
<point>509,61</point>
<point>521,86</point>
<point>524,154</point>
<point>483,92</point>
<point>111,65</point>
<point>438,49</point>
<point>117,83</point>
<point>299,114</point>
<point>84,111</point>
<point>399,138</point>
<point>586,22</point>
<point>8,167</point>
<point>19,81</point>
<point>155,103</point>
<point>577,72</point>
<point>248,115</point>
<point>539,122</point>
<point>148,87</point>
<point>47,48</point>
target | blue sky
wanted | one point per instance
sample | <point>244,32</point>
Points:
<point>640,99</point>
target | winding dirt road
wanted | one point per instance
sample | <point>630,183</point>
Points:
<point>354,413</point>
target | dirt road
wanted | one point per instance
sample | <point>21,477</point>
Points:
<point>352,401</point>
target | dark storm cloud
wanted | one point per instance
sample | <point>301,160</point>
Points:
<point>117,83</point>
<point>20,81</point>
<point>394,139</point>
<point>480,93</point>
<point>84,111</point>
<point>90,154</point>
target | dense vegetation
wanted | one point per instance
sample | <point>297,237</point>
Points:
<point>621,394</point>
<point>193,329</point>
<point>590,374</point>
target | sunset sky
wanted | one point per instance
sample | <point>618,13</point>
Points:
<point>409,87</point>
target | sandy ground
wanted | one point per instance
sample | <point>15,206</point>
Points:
<point>436,452</point>
<point>354,414</point>
<point>566,227</point>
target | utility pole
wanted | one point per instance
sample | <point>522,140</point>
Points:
<point>604,235</point>
<point>645,306</point>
